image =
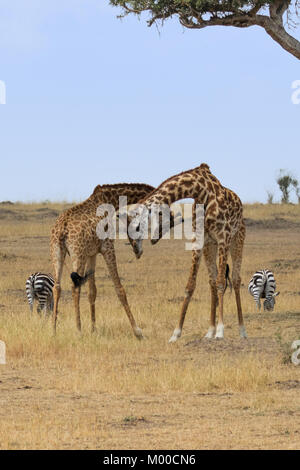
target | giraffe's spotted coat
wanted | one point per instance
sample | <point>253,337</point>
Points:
<point>75,233</point>
<point>224,234</point>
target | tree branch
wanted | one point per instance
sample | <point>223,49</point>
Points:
<point>279,34</point>
<point>194,14</point>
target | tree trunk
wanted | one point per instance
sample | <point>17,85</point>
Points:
<point>279,34</point>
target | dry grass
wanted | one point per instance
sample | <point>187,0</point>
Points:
<point>108,390</point>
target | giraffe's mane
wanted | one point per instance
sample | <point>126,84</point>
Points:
<point>203,166</point>
<point>123,185</point>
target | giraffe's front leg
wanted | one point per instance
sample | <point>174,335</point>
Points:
<point>109,255</point>
<point>190,288</point>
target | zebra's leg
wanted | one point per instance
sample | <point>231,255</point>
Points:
<point>39,308</point>
<point>210,256</point>
<point>90,267</point>
<point>31,302</point>
<point>189,291</point>
<point>42,308</point>
<point>108,252</point>
<point>58,254</point>
<point>51,303</point>
<point>236,250</point>
<point>30,293</point>
<point>47,307</point>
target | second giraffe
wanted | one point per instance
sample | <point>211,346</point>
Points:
<point>75,233</point>
<point>224,233</point>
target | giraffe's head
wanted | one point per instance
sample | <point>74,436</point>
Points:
<point>138,225</point>
<point>269,303</point>
<point>137,228</point>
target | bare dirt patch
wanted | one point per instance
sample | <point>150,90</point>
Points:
<point>261,346</point>
<point>277,223</point>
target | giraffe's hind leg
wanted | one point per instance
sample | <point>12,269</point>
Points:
<point>90,267</point>
<point>109,255</point>
<point>58,254</point>
<point>190,288</point>
<point>78,268</point>
<point>223,250</point>
<point>236,251</point>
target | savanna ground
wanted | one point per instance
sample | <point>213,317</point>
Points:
<point>110,391</point>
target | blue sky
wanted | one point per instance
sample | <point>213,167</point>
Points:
<point>92,99</point>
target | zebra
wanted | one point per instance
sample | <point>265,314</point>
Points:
<point>263,286</point>
<point>39,287</point>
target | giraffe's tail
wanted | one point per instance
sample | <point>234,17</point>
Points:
<point>228,280</point>
<point>78,281</point>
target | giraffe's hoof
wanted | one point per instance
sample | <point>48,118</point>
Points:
<point>243,333</point>
<point>220,332</point>
<point>211,333</point>
<point>173,339</point>
<point>176,335</point>
<point>138,333</point>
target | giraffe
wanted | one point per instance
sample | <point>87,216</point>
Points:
<point>224,233</point>
<point>75,233</point>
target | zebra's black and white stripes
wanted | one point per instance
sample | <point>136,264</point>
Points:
<point>263,286</point>
<point>39,287</point>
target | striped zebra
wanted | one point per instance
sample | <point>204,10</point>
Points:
<point>263,286</point>
<point>39,287</point>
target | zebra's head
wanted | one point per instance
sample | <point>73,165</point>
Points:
<point>270,302</point>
